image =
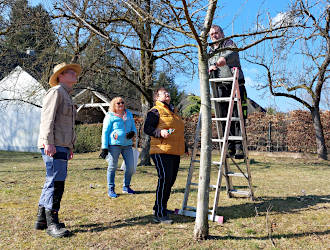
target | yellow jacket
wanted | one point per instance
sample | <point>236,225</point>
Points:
<point>174,144</point>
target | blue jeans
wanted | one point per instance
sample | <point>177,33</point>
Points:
<point>127,153</point>
<point>56,172</point>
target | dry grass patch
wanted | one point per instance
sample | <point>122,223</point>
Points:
<point>291,210</point>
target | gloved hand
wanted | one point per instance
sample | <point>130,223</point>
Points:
<point>104,153</point>
<point>130,135</point>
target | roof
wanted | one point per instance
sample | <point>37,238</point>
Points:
<point>20,87</point>
<point>89,98</point>
<point>254,107</point>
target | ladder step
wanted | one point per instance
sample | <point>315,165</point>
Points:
<point>230,138</point>
<point>194,209</point>
<point>240,192</point>
<point>218,163</point>
<point>223,99</point>
<point>217,218</point>
<point>236,174</point>
<point>227,79</point>
<point>225,119</point>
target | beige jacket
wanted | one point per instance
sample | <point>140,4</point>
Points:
<point>57,118</point>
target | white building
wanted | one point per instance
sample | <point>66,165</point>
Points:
<point>20,108</point>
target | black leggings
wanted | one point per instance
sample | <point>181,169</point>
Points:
<point>167,169</point>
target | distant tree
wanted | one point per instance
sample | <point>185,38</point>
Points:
<point>190,105</point>
<point>297,65</point>
<point>271,111</point>
<point>167,81</point>
<point>30,41</point>
<point>4,27</point>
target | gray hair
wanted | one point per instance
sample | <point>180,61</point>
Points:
<point>217,27</point>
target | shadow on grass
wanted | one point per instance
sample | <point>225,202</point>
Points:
<point>134,221</point>
<point>96,168</point>
<point>192,190</point>
<point>291,204</point>
<point>274,236</point>
<point>279,205</point>
<point>21,171</point>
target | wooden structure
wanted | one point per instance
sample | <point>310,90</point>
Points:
<point>89,100</point>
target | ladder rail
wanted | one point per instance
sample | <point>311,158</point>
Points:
<point>222,140</point>
<point>244,143</point>
<point>192,163</point>
<point>225,145</point>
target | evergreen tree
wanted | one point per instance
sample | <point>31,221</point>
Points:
<point>167,81</point>
<point>31,41</point>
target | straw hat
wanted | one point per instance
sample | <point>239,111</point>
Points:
<point>59,68</point>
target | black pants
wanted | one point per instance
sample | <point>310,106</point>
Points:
<point>167,168</point>
<point>224,90</point>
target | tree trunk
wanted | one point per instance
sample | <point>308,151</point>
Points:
<point>201,226</point>
<point>320,141</point>
<point>144,155</point>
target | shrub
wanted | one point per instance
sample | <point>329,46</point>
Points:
<point>88,138</point>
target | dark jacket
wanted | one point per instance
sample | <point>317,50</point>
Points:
<point>232,60</point>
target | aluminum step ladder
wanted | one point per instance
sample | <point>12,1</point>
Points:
<point>222,140</point>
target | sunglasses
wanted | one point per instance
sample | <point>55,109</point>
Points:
<point>118,103</point>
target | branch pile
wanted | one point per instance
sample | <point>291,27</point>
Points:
<point>301,132</point>
<point>293,132</point>
<point>266,132</point>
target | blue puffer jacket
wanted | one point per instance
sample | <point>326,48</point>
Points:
<point>115,129</point>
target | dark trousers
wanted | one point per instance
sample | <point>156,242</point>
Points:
<point>224,90</point>
<point>167,169</point>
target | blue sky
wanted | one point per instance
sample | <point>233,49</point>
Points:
<point>235,17</point>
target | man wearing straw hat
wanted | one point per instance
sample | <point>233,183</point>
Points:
<point>56,140</point>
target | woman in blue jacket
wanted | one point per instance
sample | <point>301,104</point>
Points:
<point>117,133</point>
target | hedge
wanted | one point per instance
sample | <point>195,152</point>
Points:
<point>88,138</point>
<point>292,132</point>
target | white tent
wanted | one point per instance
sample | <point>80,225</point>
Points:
<point>20,107</point>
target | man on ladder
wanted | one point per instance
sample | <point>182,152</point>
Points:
<point>228,91</point>
<point>220,66</point>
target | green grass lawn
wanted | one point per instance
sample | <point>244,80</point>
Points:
<point>291,210</point>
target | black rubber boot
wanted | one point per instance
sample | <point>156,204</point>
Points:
<point>239,154</point>
<point>53,227</point>
<point>58,193</point>
<point>41,223</point>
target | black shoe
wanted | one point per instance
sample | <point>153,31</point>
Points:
<point>167,212</point>
<point>41,223</point>
<point>163,220</point>
<point>231,152</point>
<point>239,154</point>
<point>56,231</point>
<point>53,227</point>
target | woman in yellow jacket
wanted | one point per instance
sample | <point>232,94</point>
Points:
<point>166,129</point>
